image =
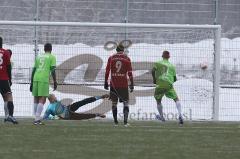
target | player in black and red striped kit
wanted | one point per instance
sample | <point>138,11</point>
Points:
<point>120,67</point>
<point>6,82</point>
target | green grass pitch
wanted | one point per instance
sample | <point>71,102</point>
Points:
<point>97,139</point>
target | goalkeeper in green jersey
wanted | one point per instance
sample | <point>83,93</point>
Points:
<point>56,108</point>
<point>164,75</point>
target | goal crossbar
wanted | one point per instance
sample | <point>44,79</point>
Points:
<point>91,24</point>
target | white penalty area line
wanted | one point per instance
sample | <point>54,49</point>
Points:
<point>166,126</point>
<point>163,126</point>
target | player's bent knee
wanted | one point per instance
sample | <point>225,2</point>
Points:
<point>9,96</point>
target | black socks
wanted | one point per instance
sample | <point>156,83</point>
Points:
<point>114,112</point>
<point>125,113</point>
<point>10,108</point>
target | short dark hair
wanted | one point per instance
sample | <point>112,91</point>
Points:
<point>48,47</point>
<point>10,52</point>
<point>119,48</point>
<point>166,54</point>
<point>1,42</point>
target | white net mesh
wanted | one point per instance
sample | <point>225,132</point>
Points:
<point>81,62</point>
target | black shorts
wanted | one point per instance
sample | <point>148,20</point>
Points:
<point>120,94</point>
<point>4,87</point>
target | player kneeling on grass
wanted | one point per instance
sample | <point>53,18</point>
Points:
<point>164,75</point>
<point>56,108</point>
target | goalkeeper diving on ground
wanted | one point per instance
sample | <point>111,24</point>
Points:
<point>56,108</point>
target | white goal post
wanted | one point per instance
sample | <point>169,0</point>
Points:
<point>169,28</point>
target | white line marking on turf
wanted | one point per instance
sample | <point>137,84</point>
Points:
<point>177,126</point>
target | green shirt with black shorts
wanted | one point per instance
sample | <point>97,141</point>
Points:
<point>44,64</point>
<point>164,74</point>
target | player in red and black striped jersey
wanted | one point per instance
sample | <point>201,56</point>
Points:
<point>6,82</point>
<point>119,65</point>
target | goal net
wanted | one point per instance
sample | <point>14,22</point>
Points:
<point>82,51</point>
